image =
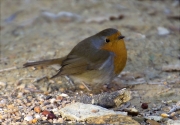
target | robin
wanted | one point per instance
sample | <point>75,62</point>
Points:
<point>95,60</point>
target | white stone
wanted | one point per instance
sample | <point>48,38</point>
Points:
<point>28,118</point>
<point>155,118</point>
<point>2,84</point>
<point>80,111</point>
<point>173,122</point>
<point>162,31</point>
<point>52,100</point>
<point>37,116</point>
<point>64,95</point>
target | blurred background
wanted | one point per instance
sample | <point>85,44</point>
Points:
<point>42,29</point>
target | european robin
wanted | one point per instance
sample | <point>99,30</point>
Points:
<point>95,60</point>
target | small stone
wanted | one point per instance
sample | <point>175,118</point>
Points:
<point>95,111</point>
<point>60,120</point>
<point>155,118</point>
<point>64,95</point>
<point>132,111</point>
<point>95,114</point>
<point>81,86</point>
<point>144,105</point>
<point>163,31</point>
<point>34,121</point>
<point>60,98</point>
<point>3,102</point>
<point>44,118</point>
<point>25,101</point>
<point>45,112</point>
<point>173,114</point>
<point>56,111</point>
<point>164,115</point>
<point>20,95</point>
<point>48,97</point>
<point>28,104</point>
<point>19,101</point>
<point>37,116</point>
<point>51,53</point>
<point>37,109</point>
<point>10,106</point>
<point>152,122</point>
<point>173,122</point>
<point>52,100</point>
<point>51,116</point>
<point>55,121</point>
<point>2,84</point>
<point>28,118</point>
<point>178,103</point>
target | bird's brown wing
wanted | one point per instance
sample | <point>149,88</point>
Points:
<point>77,64</point>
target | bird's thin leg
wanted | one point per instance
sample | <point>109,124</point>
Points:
<point>70,81</point>
<point>41,78</point>
<point>57,74</point>
<point>86,86</point>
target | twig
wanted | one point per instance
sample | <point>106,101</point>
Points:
<point>9,69</point>
<point>174,109</point>
<point>164,91</point>
<point>34,79</point>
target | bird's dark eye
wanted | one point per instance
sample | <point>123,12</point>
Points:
<point>107,40</point>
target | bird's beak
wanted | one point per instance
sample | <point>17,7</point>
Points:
<point>121,37</point>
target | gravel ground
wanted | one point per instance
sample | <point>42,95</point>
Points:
<point>33,30</point>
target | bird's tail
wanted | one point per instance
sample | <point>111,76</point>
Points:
<point>44,62</point>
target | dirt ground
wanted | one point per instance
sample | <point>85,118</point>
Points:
<point>33,30</point>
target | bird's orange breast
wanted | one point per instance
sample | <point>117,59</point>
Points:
<point>120,57</point>
<point>119,49</point>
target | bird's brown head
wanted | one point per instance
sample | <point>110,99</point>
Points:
<point>114,42</point>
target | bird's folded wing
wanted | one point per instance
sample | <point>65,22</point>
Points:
<point>75,64</point>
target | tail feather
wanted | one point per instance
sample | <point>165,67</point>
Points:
<point>44,62</point>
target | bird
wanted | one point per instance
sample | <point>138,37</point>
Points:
<point>95,60</point>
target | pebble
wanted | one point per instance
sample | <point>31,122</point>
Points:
<point>52,100</point>
<point>10,106</point>
<point>37,109</point>
<point>64,95</point>
<point>45,112</point>
<point>34,121</point>
<point>51,116</point>
<point>51,53</point>
<point>37,116</point>
<point>144,105</point>
<point>56,111</point>
<point>173,122</point>
<point>60,120</point>
<point>152,122</point>
<point>80,112</point>
<point>178,103</point>
<point>3,102</point>
<point>61,16</point>
<point>155,118</point>
<point>28,118</point>
<point>164,115</point>
<point>173,114</point>
<point>132,111</point>
<point>2,84</point>
<point>163,31</point>
<point>44,118</point>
